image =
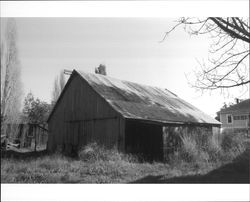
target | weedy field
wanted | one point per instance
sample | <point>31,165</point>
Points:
<point>224,162</point>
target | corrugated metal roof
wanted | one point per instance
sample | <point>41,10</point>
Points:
<point>243,106</point>
<point>138,101</point>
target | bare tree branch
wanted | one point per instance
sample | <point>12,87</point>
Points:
<point>228,51</point>
<point>225,28</point>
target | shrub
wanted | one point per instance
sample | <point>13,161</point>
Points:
<point>232,145</point>
<point>94,152</point>
<point>189,151</point>
<point>213,150</point>
<point>232,141</point>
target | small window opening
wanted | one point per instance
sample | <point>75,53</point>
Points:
<point>229,119</point>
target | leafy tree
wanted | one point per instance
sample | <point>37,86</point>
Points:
<point>35,110</point>
<point>101,69</point>
<point>228,63</point>
<point>11,85</point>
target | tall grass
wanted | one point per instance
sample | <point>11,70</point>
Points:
<point>217,148</point>
<point>94,165</point>
<point>99,165</point>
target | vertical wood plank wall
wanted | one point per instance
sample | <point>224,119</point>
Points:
<point>82,116</point>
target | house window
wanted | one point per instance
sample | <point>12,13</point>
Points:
<point>229,118</point>
<point>243,117</point>
<point>236,117</point>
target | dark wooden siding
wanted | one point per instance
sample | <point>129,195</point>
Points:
<point>82,116</point>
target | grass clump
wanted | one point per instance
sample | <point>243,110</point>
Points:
<point>214,149</point>
<point>217,148</point>
<point>94,152</point>
<point>190,151</point>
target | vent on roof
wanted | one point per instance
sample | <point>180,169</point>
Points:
<point>67,72</point>
<point>170,92</point>
<point>237,100</point>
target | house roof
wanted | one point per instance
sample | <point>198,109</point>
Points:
<point>243,106</point>
<point>137,101</point>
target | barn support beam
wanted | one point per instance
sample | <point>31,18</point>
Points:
<point>174,124</point>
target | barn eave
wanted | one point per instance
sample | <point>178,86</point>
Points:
<point>174,123</point>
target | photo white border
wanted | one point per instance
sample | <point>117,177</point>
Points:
<point>123,192</point>
<point>168,8</point>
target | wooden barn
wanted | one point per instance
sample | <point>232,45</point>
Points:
<point>119,114</point>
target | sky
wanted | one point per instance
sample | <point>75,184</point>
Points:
<point>129,47</point>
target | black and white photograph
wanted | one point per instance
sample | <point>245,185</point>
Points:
<point>125,100</point>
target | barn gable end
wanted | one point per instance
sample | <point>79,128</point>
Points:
<point>80,110</point>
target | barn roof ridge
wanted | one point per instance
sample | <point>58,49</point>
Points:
<point>123,80</point>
